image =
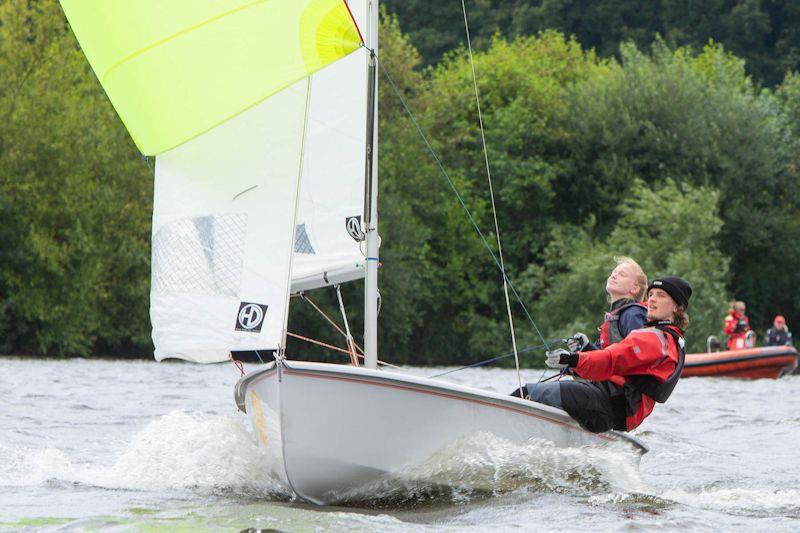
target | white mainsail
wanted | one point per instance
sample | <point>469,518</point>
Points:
<point>327,245</point>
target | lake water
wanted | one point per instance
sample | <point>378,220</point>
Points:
<point>139,445</point>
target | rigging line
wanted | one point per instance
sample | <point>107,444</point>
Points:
<point>237,363</point>
<point>491,195</point>
<point>461,201</point>
<point>332,323</point>
<point>492,360</point>
<point>318,343</point>
<point>332,347</point>
<point>348,337</point>
<point>146,160</point>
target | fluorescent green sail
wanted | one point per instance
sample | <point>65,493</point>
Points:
<point>174,69</point>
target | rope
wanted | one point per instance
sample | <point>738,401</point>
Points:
<point>560,375</point>
<point>493,359</point>
<point>332,347</point>
<point>348,337</point>
<point>146,160</point>
<point>320,343</point>
<point>238,364</point>
<point>330,321</point>
<point>463,204</point>
<point>491,195</point>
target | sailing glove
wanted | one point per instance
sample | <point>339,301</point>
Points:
<point>577,342</point>
<point>561,358</point>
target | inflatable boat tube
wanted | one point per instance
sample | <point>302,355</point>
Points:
<point>752,363</point>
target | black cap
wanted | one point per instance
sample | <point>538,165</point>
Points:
<point>678,288</point>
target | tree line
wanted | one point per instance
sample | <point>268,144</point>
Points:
<point>672,155</point>
<point>765,33</point>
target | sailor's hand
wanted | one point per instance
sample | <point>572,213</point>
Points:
<point>577,342</point>
<point>561,358</point>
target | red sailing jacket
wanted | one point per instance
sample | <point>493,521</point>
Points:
<point>736,328</point>
<point>645,353</point>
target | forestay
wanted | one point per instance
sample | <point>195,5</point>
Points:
<point>221,92</point>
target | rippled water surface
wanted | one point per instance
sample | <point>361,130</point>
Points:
<point>97,445</point>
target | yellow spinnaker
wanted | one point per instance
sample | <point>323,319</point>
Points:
<point>174,69</point>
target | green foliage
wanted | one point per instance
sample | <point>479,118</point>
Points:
<point>522,85</point>
<point>669,229</point>
<point>697,117</point>
<point>788,94</point>
<point>74,198</point>
<point>764,34</point>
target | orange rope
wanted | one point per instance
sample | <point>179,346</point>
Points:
<point>332,347</point>
<point>238,364</point>
<point>314,341</point>
<point>334,324</point>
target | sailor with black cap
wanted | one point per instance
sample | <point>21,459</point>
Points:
<point>678,288</point>
<point>618,386</point>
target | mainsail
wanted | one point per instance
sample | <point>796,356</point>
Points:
<point>332,186</point>
<point>223,94</point>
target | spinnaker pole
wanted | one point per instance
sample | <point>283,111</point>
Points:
<point>371,195</point>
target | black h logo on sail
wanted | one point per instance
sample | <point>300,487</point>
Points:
<point>250,317</point>
<point>353,226</point>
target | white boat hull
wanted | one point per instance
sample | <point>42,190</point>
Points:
<point>335,428</point>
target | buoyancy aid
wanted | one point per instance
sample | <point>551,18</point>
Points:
<point>609,331</point>
<point>736,328</point>
<point>660,391</point>
<point>778,337</point>
<point>633,396</point>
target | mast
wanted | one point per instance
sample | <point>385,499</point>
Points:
<point>371,195</point>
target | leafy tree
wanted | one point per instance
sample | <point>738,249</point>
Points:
<point>676,114</point>
<point>669,229</point>
<point>74,197</point>
<point>762,32</point>
<point>522,88</point>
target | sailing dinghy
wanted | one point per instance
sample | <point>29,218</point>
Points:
<point>335,428</point>
<point>262,118</point>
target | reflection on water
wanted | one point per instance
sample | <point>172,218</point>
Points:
<point>100,444</point>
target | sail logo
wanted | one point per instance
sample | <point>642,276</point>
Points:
<point>353,226</point>
<point>250,317</point>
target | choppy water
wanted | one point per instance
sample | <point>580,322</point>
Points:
<point>97,445</point>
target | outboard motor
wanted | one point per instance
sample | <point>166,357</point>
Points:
<point>713,344</point>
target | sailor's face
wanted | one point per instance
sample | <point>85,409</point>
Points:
<point>740,309</point>
<point>622,281</point>
<point>660,305</point>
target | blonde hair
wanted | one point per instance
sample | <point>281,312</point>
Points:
<point>639,275</point>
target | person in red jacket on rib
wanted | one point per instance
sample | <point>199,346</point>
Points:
<point>737,325</point>
<point>618,386</point>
